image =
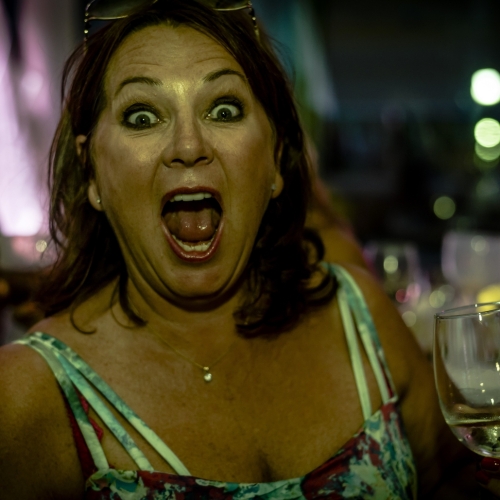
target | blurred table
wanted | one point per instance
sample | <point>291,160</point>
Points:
<point>469,273</point>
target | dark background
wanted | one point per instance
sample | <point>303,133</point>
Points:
<point>404,134</point>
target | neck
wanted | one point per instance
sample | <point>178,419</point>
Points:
<point>204,323</point>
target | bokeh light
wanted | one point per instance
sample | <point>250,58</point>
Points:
<point>41,246</point>
<point>444,208</point>
<point>483,165</point>
<point>480,245</point>
<point>490,293</point>
<point>410,318</point>
<point>487,154</point>
<point>437,299</point>
<point>391,264</point>
<point>485,87</point>
<point>487,132</point>
<point>401,296</point>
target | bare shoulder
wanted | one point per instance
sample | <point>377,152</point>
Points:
<point>37,452</point>
<point>341,246</point>
<point>432,443</point>
<point>401,350</point>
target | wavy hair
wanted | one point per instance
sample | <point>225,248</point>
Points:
<point>285,255</point>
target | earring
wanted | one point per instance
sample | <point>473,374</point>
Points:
<point>98,201</point>
<point>273,187</point>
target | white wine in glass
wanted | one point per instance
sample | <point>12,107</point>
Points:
<point>467,372</point>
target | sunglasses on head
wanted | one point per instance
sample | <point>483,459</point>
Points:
<point>109,10</point>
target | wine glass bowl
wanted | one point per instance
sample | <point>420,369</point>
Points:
<point>398,267</point>
<point>467,373</point>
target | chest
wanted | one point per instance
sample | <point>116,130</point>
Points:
<point>272,411</point>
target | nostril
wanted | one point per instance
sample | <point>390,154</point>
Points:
<point>180,162</point>
<point>177,161</point>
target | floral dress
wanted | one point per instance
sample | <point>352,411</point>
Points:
<point>376,463</point>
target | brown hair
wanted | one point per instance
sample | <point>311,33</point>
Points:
<point>285,255</point>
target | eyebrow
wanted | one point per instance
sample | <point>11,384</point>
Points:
<point>223,72</point>
<point>155,82</point>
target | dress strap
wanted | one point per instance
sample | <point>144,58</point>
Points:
<point>82,420</point>
<point>82,377</point>
<point>355,355</point>
<point>367,332</point>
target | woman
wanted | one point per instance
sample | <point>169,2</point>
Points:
<point>187,283</point>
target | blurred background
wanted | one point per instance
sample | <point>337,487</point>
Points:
<point>399,97</point>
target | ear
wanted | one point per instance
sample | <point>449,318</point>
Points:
<point>79,142</point>
<point>92,190</point>
<point>93,195</point>
<point>277,185</point>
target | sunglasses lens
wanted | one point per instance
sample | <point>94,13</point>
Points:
<point>226,4</point>
<point>115,9</point>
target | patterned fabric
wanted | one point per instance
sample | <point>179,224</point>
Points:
<point>376,463</point>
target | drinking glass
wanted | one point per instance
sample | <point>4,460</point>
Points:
<point>397,265</point>
<point>467,372</point>
<point>470,261</point>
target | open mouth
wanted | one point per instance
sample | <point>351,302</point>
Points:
<point>193,222</point>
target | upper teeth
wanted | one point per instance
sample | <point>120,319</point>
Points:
<point>191,197</point>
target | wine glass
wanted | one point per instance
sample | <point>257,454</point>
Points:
<point>397,265</point>
<point>467,372</point>
<point>470,261</point>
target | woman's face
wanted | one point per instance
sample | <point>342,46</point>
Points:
<point>185,163</point>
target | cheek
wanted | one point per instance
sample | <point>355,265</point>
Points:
<point>262,167</point>
<point>122,171</point>
<point>251,178</point>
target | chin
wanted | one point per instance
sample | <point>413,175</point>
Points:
<point>202,289</point>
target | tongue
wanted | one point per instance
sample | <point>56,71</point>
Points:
<point>192,222</point>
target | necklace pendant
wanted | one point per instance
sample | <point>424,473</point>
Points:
<point>208,375</point>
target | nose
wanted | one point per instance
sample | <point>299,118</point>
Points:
<point>188,145</point>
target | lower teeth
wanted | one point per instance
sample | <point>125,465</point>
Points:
<point>201,247</point>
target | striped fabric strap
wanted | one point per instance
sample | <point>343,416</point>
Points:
<point>355,355</point>
<point>71,395</point>
<point>81,374</point>
<point>367,332</point>
<point>106,416</point>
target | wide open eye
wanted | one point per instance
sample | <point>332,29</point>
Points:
<point>141,119</point>
<point>226,112</point>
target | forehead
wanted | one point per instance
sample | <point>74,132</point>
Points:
<point>181,51</point>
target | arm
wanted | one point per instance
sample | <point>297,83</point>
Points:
<point>37,454</point>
